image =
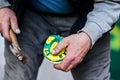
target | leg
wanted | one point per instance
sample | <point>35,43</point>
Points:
<point>15,70</point>
<point>96,64</point>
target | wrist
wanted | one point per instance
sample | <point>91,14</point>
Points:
<point>86,37</point>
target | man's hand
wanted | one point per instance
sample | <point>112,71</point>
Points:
<point>77,46</point>
<point>7,19</point>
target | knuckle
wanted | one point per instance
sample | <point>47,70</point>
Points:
<point>69,59</point>
<point>0,28</point>
<point>63,43</point>
<point>57,49</point>
<point>65,40</point>
<point>13,18</point>
<point>77,52</point>
<point>5,36</point>
<point>80,59</point>
<point>62,68</point>
<point>77,61</point>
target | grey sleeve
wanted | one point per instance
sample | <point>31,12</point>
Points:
<point>101,18</point>
<point>4,3</point>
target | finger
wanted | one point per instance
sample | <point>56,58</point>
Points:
<point>14,25</point>
<point>60,46</point>
<point>57,66</point>
<point>67,60</point>
<point>5,31</point>
<point>77,61</point>
<point>65,63</point>
<point>82,54</point>
<point>73,65</point>
<point>76,55</point>
<point>1,30</point>
<point>69,68</point>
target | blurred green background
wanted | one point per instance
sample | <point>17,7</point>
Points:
<point>115,52</point>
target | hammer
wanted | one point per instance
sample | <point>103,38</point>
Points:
<point>15,48</point>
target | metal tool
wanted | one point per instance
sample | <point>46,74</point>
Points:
<point>15,49</point>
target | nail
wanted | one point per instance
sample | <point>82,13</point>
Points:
<point>17,31</point>
<point>53,52</point>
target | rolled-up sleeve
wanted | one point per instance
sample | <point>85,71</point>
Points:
<point>4,3</point>
<point>101,18</point>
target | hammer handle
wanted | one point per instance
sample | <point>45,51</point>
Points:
<point>13,38</point>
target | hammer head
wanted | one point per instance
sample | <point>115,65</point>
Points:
<point>18,53</point>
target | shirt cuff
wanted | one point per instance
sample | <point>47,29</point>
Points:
<point>4,4</point>
<point>93,30</point>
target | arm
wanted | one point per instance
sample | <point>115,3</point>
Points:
<point>7,19</point>
<point>99,21</point>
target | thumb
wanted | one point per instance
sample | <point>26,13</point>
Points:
<point>60,46</point>
<point>14,25</point>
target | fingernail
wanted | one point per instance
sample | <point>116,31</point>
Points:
<point>54,66</point>
<point>57,66</point>
<point>17,31</point>
<point>53,52</point>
